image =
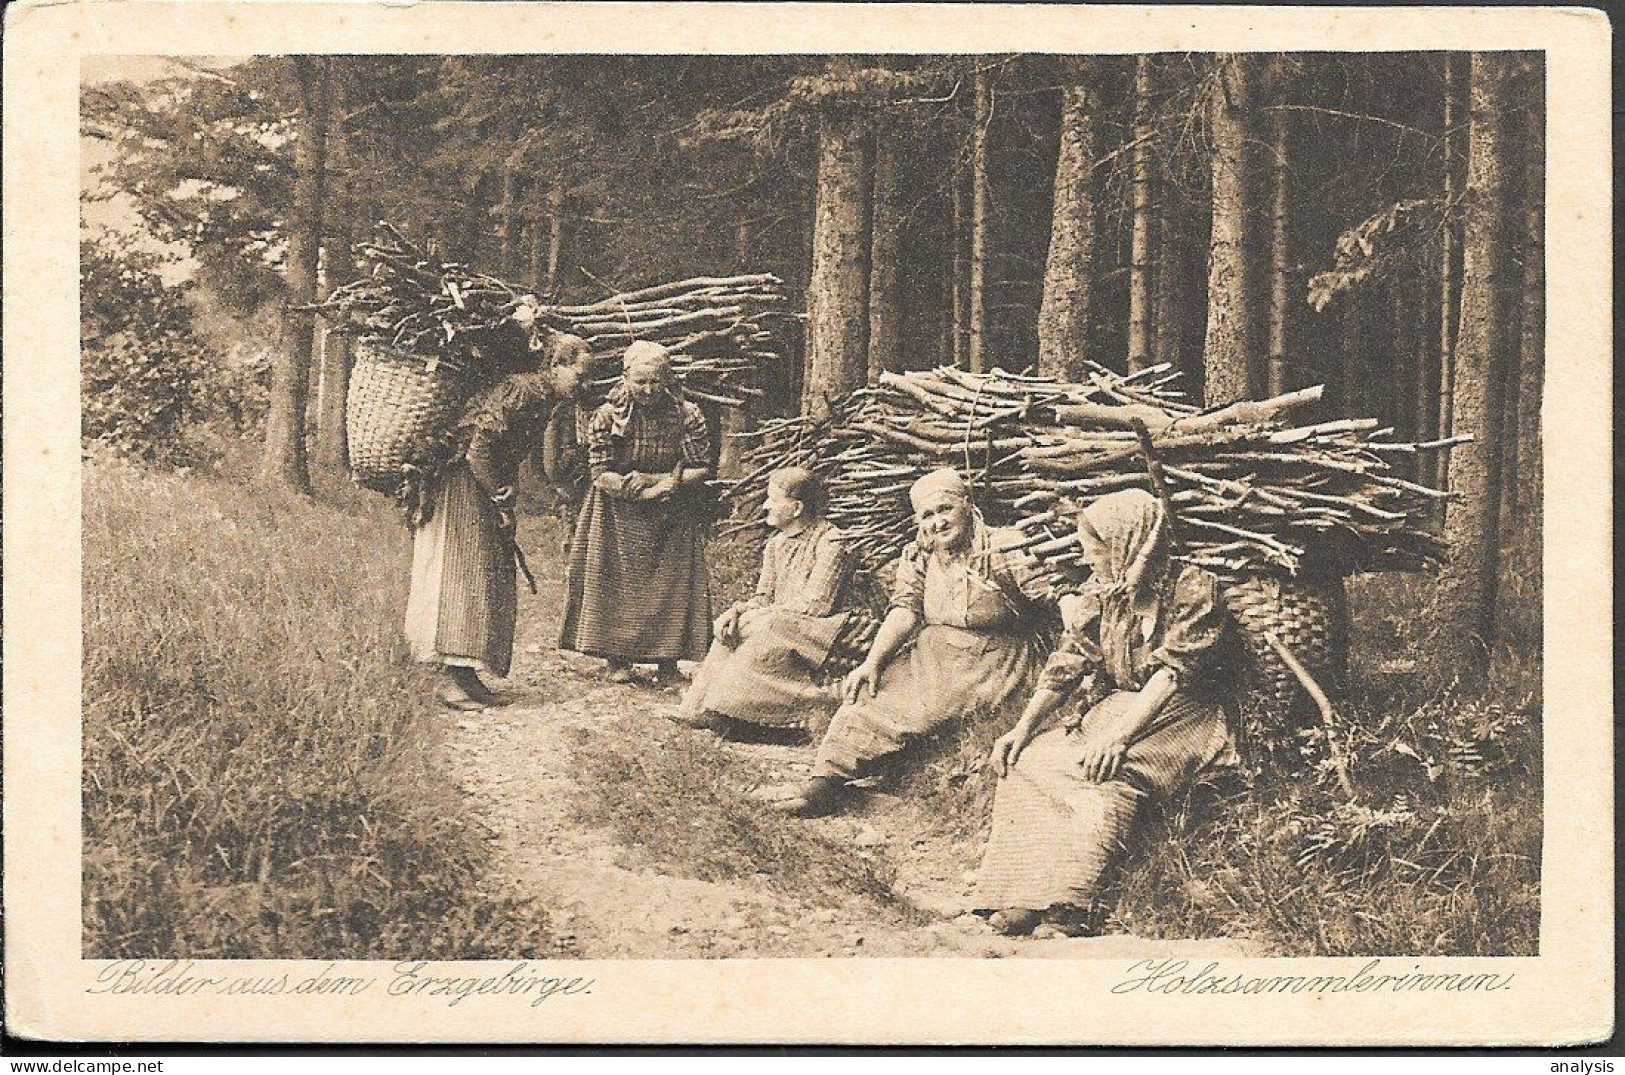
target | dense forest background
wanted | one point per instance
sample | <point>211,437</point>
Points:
<point>1260,222</point>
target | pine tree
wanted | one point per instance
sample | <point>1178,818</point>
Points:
<point>1486,352</point>
<point>1064,316</point>
<point>283,463</point>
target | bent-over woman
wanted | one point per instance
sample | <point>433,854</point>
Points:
<point>463,604</point>
<point>1068,796</point>
<point>767,651</point>
<point>960,637</point>
<point>639,588</point>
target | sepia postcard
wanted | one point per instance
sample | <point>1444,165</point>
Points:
<point>808,524</point>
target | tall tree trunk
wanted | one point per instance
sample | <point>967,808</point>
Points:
<point>959,268</point>
<point>1063,316</point>
<point>1233,346</point>
<point>1450,258</point>
<point>284,463</point>
<point>976,347</point>
<point>1181,289</point>
<point>555,236</point>
<point>1426,388</point>
<point>1486,350</point>
<point>1526,508</point>
<point>508,255</point>
<point>547,240</point>
<point>537,272</point>
<point>838,293</point>
<point>885,285</point>
<point>332,440</point>
<point>1280,257</point>
<point>1142,264</point>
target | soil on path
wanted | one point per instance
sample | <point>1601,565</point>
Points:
<point>519,767</point>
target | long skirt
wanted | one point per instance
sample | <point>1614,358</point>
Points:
<point>1057,836</point>
<point>948,675</point>
<point>464,599</point>
<point>767,679</point>
<point>639,589</point>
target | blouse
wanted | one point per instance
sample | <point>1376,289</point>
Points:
<point>806,572</point>
<point>995,586</point>
<point>657,438</point>
<point>1186,628</point>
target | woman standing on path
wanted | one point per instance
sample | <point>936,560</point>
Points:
<point>1067,797</point>
<point>639,587</point>
<point>961,637</point>
<point>461,612</point>
<point>767,650</point>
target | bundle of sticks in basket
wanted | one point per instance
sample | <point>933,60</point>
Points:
<point>720,330</point>
<point>1254,494</point>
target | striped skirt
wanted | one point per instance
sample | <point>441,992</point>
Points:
<point>948,675</point>
<point>639,589</point>
<point>768,679</point>
<point>464,599</point>
<point>1057,836</point>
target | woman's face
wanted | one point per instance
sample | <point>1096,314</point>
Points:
<point>945,521</point>
<point>782,510</point>
<point>563,381</point>
<point>1094,550</point>
<point>643,381</point>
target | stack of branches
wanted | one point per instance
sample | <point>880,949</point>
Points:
<point>718,329</point>
<point>1252,494</point>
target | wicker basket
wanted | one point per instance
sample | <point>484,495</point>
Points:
<point>400,411</point>
<point>1307,615</point>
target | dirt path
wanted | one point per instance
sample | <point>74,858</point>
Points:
<point>519,767</point>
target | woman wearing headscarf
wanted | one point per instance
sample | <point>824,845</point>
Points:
<point>766,651</point>
<point>461,611</point>
<point>1151,634</point>
<point>639,588</point>
<point>961,637</point>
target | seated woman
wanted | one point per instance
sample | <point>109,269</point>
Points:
<point>960,637</point>
<point>1067,797</point>
<point>767,650</point>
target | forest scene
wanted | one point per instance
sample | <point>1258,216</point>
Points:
<point>866,243</point>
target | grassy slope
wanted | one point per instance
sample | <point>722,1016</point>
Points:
<point>259,776</point>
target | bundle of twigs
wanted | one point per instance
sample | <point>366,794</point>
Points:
<point>717,328</point>
<point>1253,494</point>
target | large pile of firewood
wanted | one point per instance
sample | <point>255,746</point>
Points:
<point>718,329</point>
<point>1252,493</point>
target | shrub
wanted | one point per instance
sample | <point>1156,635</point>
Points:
<point>260,766</point>
<point>150,389</point>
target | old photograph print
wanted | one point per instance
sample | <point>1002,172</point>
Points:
<point>695,506</point>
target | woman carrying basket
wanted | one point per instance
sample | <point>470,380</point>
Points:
<point>1066,802</point>
<point>463,605</point>
<point>639,588</point>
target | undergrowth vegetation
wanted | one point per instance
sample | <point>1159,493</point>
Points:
<point>260,775</point>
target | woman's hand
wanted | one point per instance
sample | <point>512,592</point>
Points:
<point>866,674</point>
<point>727,626</point>
<point>1007,749</point>
<point>1103,761</point>
<point>660,489</point>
